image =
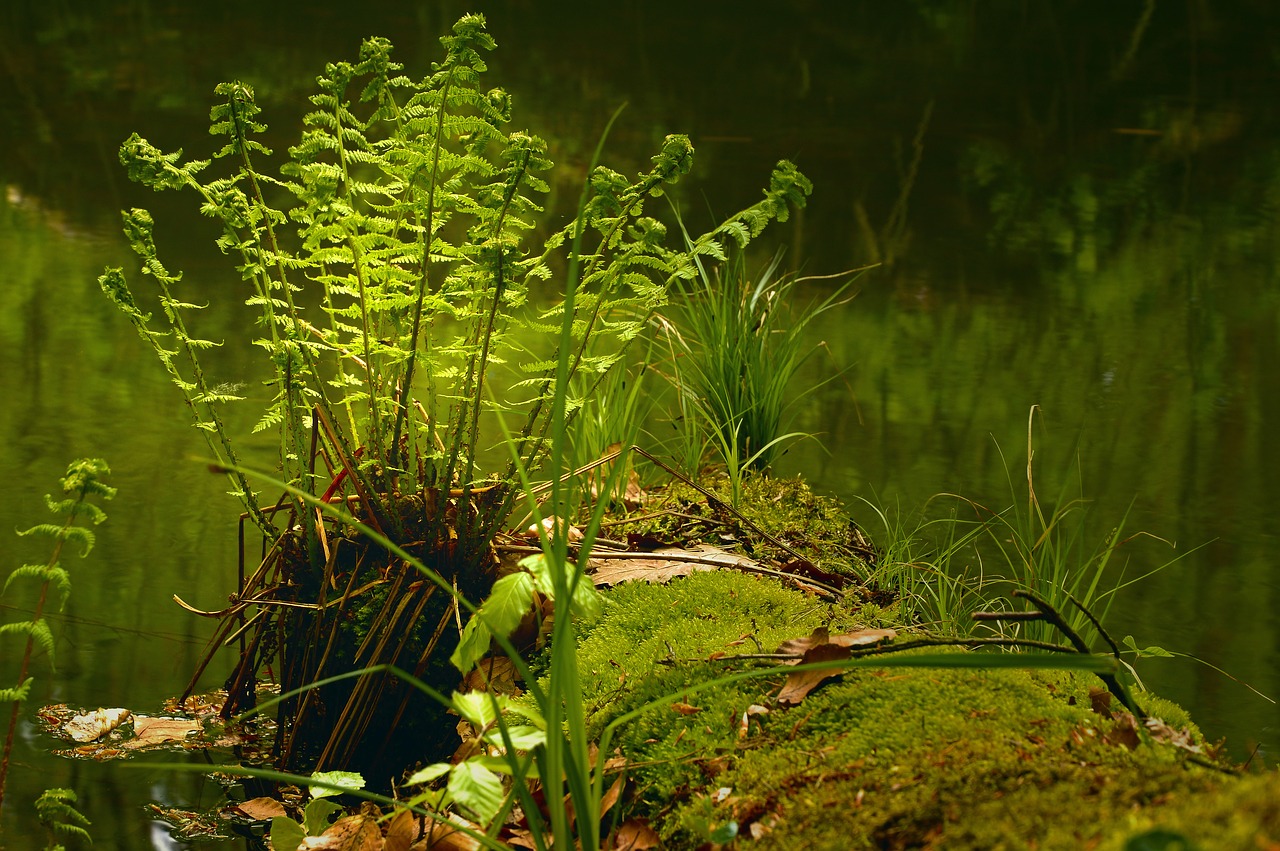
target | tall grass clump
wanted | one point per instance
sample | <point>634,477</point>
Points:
<point>392,264</point>
<point>738,340</point>
<point>1051,548</point>
<point>925,564</point>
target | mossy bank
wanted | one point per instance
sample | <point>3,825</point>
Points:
<point>892,757</point>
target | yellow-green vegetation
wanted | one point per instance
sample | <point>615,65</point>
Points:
<point>893,758</point>
<point>816,527</point>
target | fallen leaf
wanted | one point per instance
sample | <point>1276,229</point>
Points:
<point>634,496</point>
<point>800,683</point>
<point>806,568</point>
<point>148,732</point>
<point>664,564</point>
<point>1162,732</point>
<point>261,809</point>
<point>493,673</point>
<point>444,835</point>
<point>611,797</point>
<point>686,709</point>
<point>352,833</point>
<point>94,725</point>
<point>401,830</point>
<point>549,525</point>
<point>1125,731</point>
<point>863,638</point>
<point>521,839</point>
<point>820,636</point>
<point>635,835</point>
<point>1100,701</point>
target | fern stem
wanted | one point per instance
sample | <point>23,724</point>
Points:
<point>26,653</point>
<point>424,278</point>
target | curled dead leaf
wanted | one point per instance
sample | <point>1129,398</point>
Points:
<point>401,830</point>
<point>800,683</point>
<point>352,833</point>
<point>635,835</point>
<point>148,731</point>
<point>260,809</point>
<point>92,726</point>
<point>820,636</point>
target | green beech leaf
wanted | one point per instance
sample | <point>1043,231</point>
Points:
<point>286,833</point>
<point>431,772</point>
<point>344,779</point>
<point>317,816</point>
<point>476,788</point>
<point>499,614</point>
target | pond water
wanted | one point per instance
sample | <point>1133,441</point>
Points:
<point>1073,210</point>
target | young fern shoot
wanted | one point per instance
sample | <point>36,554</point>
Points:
<point>82,480</point>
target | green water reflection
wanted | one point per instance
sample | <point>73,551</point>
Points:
<point>1089,229</point>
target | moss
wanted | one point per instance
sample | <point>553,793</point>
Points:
<point>891,758</point>
<point>815,526</point>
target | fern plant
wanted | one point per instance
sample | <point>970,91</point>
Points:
<point>82,480</point>
<point>390,264</point>
<point>56,809</point>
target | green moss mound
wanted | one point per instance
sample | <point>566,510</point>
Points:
<point>891,758</point>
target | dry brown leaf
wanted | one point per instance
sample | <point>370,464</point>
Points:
<point>800,683</point>
<point>798,646</point>
<point>1162,732</point>
<point>94,725</point>
<point>445,836</point>
<point>520,839</point>
<point>549,525</point>
<point>635,835</point>
<point>148,732</point>
<point>685,708</point>
<point>634,496</point>
<point>401,830</point>
<point>863,638</point>
<point>261,809</point>
<point>494,673</point>
<point>352,833</point>
<point>1125,731</point>
<point>613,794</point>
<point>820,636</point>
<point>664,564</point>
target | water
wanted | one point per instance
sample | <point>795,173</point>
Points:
<point>1080,229</point>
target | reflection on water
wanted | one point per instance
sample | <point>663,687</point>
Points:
<point>1081,211</point>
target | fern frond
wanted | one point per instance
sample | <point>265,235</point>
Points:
<point>56,810</point>
<point>37,630</point>
<point>18,693</point>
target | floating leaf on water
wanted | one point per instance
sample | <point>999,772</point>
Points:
<point>149,732</point>
<point>94,725</point>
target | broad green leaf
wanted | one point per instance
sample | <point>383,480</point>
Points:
<point>523,737</point>
<point>431,772</point>
<point>500,614</point>
<point>1145,652</point>
<point>316,817</point>
<point>480,708</point>
<point>286,834</point>
<point>476,788</point>
<point>344,779</point>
